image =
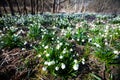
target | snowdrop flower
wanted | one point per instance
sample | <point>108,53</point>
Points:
<point>71,49</point>
<point>97,45</point>
<point>25,42</point>
<point>106,43</point>
<point>46,62</point>
<point>58,46</point>
<point>61,57</point>
<point>52,38</point>
<point>63,66</point>
<point>39,55</point>
<point>2,34</point>
<point>90,39</point>
<point>83,61</point>
<point>23,49</point>
<point>77,54</point>
<point>47,55</point>
<point>110,35</point>
<point>57,68</point>
<point>61,44</point>
<point>46,47</point>
<point>64,51</point>
<point>75,61</point>
<point>31,45</point>
<point>116,52</point>
<point>54,27</point>
<point>83,40</point>
<point>78,39</point>
<point>0,31</point>
<point>44,68</point>
<point>52,62</point>
<point>75,66</point>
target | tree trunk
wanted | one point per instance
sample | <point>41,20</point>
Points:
<point>54,6</point>
<point>37,5</point>
<point>0,12</point>
<point>11,7</point>
<point>18,6</point>
<point>25,9</point>
<point>32,11</point>
<point>4,7</point>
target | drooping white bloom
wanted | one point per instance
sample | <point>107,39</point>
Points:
<point>97,45</point>
<point>75,66</point>
<point>75,61</point>
<point>71,49</point>
<point>58,46</point>
<point>61,44</point>
<point>116,52</point>
<point>23,49</point>
<point>57,68</point>
<point>46,62</point>
<point>46,47</point>
<point>61,57</point>
<point>78,39</point>
<point>25,42</point>
<point>52,62</point>
<point>83,40</point>
<point>44,68</point>
<point>64,51</point>
<point>90,39</point>
<point>63,66</point>
<point>39,55</point>
<point>106,43</point>
<point>47,55</point>
<point>83,61</point>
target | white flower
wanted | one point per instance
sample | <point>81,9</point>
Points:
<point>75,61</point>
<point>78,39</point>
<point>61,57</point>
<point>25,42</point>
<point>63,66</point>
<point>31,45</point>
<point>44,68</point>
<point>39,55</point>
<point>116,52</point>
<point>64,51</point>
<point>61,44</point>
<point>47,55</point>
<point>46,62</point>
<point>97,45</point>
<point>83,61</point>
<point>46,47</point>
<point>75,66</point>
<point>23,49</point>
<point>58,46</point>
<point>106,43</point>
<point>52,62</point>
<point>57,68</point>
<point>83,40</point>
<point>90,39</point>
<point>71,49</point>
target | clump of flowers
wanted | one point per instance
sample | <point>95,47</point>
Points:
<point>60,59</point>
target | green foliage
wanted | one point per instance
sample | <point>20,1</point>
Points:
<point>59,59</point>
<point>34,32</point>
<point>11,40</point>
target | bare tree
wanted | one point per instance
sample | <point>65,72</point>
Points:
<point>25,9</point>
<point>0,12</point>
<point>11,7</point>
<point>18,6</point>
<point>54,6</point>
<point>37,8</point>
<point>4,3</point>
